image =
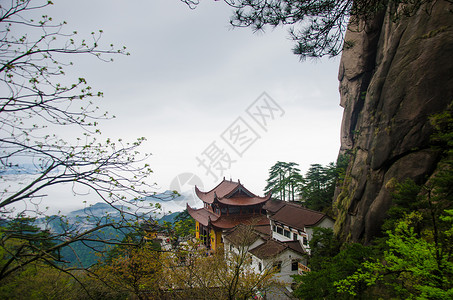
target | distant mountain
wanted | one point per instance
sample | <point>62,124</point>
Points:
<point>79,253</point>
<point>21,169</point>
<point>170,218</point>
<point>163,197</point>
<point>98,209</point>
<point>85,218</point>
<point>169,201</point>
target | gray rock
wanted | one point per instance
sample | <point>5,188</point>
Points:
<point>393,77</point>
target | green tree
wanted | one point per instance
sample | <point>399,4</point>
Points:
<point>134,269</point>
<point>319,186</point>
<point>323,245</point>
<point>415,267</point>
<point>284,180</point>
<point>184,225</point>
<point>328,265</point>
<point>38,281</point>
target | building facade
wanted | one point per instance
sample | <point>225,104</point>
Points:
<point>282,245</point>
<point>275,234</point>
<point>225,206</point>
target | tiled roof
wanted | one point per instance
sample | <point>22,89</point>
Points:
<point>230,193</point>
<point>295,245</point>
<point>297,216</point>
<point>269,249</point>
<point>202,215</point>
<point>243,201</point>
<point>264,229</point>
<point>205,217</point>
<point>222,189</point>
<point>272,247</point>
<point>242,235</point>
<point>273,205</point>
<point>252,233</point>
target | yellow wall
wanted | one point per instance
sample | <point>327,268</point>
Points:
<point>151,235</point>
<point>197,230</point>
<point>216,240</point>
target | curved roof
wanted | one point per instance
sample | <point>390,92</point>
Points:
<point>206,217</point>
<point>272,247</point>
<point>273,205</point>
<point>230,193</point>
<point>243,201</point>
<point>297,216</point>
<point>203,216</point>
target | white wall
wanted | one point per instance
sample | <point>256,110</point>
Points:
<point>326,223</point>
<point>286,257</point>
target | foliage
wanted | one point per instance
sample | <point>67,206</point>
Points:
<point>317,27</point>
<point>87,253</point>
<point>316,188</point>
<point>37,281</point>
<point>406,198</point>
<point>192,273</point>
<point>136,270</point>
<point>328,265</point>
<point>320,183</point>
<point>323,244</point>
<point>412,267</point>
<point>284,180</point>
<point>184,225</point>
<point>20,240</point>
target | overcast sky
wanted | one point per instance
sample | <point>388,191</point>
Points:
<point>192,82</point>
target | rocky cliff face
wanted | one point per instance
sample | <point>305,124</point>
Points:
<point>393,77</point>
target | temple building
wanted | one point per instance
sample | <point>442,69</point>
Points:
<point>225,206</point>
<point>277,239</point>
<point>284,243</point>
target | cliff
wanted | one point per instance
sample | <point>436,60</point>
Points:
<point>393,76</point>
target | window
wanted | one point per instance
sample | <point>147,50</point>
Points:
<point>280,230</point>
<point>274,228</point>
<point>305,241</point>
<point>260,267</point>
<point>287,233</point>
<point>294,265</point>
<point>294,236</point>
<point>277,266</point>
